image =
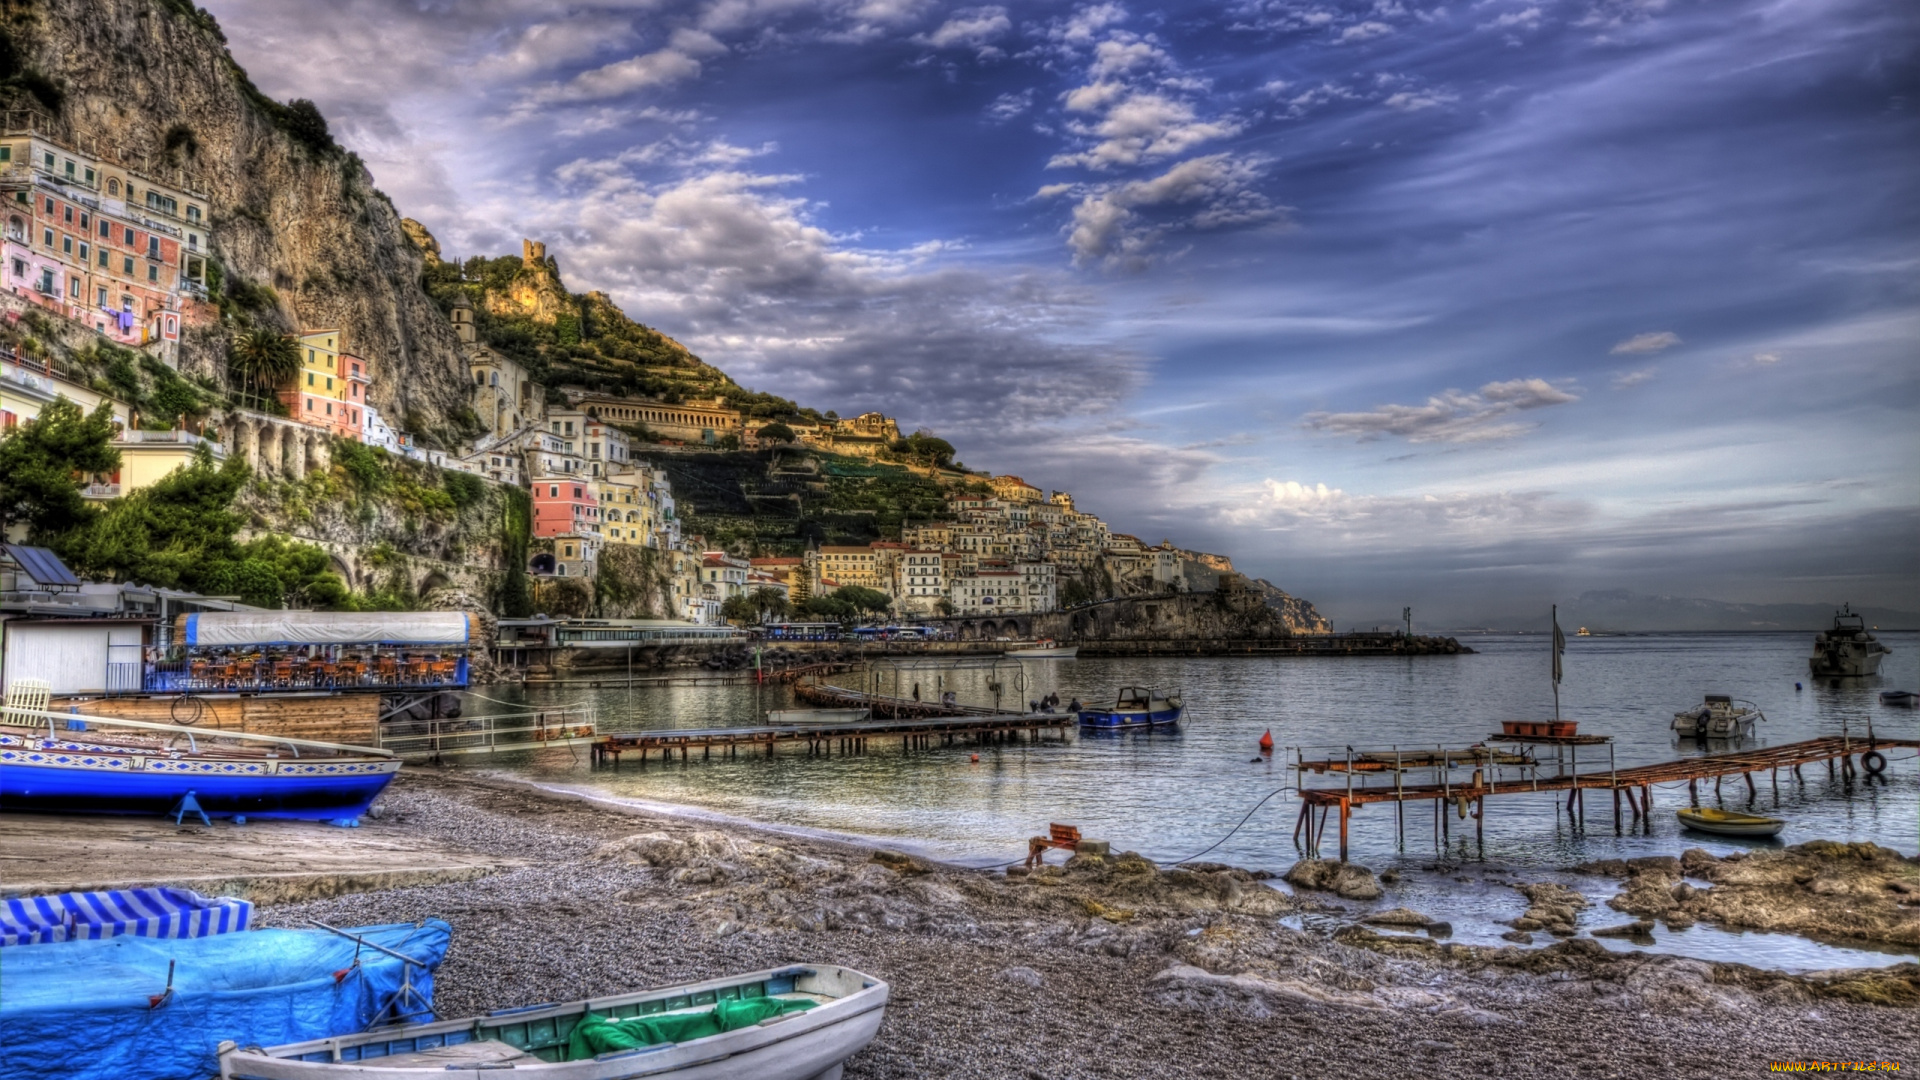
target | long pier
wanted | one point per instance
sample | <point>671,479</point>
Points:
<point>829,739</point>
<point>1634,783</point>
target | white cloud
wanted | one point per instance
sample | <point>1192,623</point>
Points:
<point>1652,342</point>
<point>1416,100</point>
<point>1114,58</point>
<point>1327,518</point>
<point>1627,379</point>
<point>1294,493</point>
<point>1007,106</point>
<point>1450,416</point>
<point>970,28</point>
<point>1527,18</point>
<point>1766,359</point>
<point>1108,226</point>
<point>1144,127</point>
<point>1365,31</point>
<point>678,62</point>
<point>1085,24</point>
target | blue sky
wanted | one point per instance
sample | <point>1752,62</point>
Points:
<point>1468,306</point>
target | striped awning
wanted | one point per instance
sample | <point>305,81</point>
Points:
<point>156,912</point>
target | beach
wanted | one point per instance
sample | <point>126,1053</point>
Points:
<point>1110,967</point>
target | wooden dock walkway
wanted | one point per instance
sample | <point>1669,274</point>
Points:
<point>828,696</point>
<point>827,739</point>
<point>1635,783</point>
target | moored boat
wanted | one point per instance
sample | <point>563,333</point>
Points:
<point>1900,699</point>
<point>1729,822</point>
<point>793,1023</point>
<point>1046,650</point>
<point>1718,717</point>
<point>786,717</point>
<point>1847,650</point>
<point>1134,707</point>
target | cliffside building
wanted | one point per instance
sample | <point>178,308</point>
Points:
<point>505,397</point>
<point>704,422</point>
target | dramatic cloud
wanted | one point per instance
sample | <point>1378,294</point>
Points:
<point>1139,127</point>
<point>1647,343</point>
<point>970,29</point>
<point>1451,416</point>
<point>1110,223</point>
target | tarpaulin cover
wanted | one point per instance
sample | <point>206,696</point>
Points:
<point>80,1010</point>
<point>595,1035</point>
<point>220,628</point>
<point>156,912</point>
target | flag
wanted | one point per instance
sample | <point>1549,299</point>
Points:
<point>1559,644</point>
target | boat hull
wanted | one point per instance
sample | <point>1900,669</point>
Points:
<point>811,1045</point>
<point>1845,665</point>
<point>1118,719</point>
<point>1731,825</point>
<point>1066,653</point>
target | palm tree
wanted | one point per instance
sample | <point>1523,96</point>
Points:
<point>262,357</point>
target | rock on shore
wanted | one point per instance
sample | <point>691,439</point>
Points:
<point>1821,889</point>
<point>1349,880</point>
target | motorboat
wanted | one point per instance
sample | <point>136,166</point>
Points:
<point>1900,699</point>
<point>1848,649</point>
<point>1045,650</point>
<point>1729,822</point>
<point>792,1023</point>
<point>1719,717</point>
<point>789,717</point>
<point>1135,707</point>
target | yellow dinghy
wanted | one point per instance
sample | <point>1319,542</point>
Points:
<point>1729,823</point>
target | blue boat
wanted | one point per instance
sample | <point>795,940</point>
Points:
<point>113,766</point>
<point>1135,707</point>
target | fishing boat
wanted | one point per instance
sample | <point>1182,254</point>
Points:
<point>793,1023</point>
<point>1134,707</point>
<point>77,764</point>
<point>1728,822</point>
<point>1045,650</point>
<point>1717,718</point>
<point>1847,650</point>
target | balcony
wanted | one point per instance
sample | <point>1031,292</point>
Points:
<point>101,491</point>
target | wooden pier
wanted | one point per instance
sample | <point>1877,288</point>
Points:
<point>828,739</point>
<point>1634,784</point>
<point>826,695</point>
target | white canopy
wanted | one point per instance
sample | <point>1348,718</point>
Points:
<point>220,628</point>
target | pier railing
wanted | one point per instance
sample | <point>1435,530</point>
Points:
<point>529,729</point>
<point>211,677</point>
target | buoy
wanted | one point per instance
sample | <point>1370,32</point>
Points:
<point>976,759</point>
<point>1266,742</point>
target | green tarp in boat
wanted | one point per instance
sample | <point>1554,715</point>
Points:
<point>599,1035</point>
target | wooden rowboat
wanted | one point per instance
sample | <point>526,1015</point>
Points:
<point>1729,823</point>
<point>818,1016</point>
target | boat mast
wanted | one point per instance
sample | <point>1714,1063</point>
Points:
<point>1559,647</point>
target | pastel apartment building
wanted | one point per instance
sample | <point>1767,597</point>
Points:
<point>565,506</point>
<point>330,389</point>
<point>93,241</point>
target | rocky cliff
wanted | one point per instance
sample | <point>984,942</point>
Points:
<point>299,235</point>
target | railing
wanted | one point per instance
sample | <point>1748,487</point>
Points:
<point>200,676</point>
<point>102,491</point>
<point>78,721</point>
<point>531,729</point>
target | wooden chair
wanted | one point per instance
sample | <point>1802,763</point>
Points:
<point>1065,837</point>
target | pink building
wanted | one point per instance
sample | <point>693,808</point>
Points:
<point>562,506</point>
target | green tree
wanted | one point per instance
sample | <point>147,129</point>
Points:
<point>46,462</point>
<point>770,603</point>
<point>776,432</point>
<point>864,599</point>
<point>739,608</point>
<point>263,358</point>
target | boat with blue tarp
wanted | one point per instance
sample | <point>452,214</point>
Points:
<point>1135,707</point>
<point>143,1008</point>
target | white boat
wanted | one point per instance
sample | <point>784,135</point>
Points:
<point>1900,699</point>
<point>1718,718</point>
<point>1847,650</point>
<point>1728,822</point>
<point>790,717</point>
<point>830,1014</point>
<point>1046,650</point>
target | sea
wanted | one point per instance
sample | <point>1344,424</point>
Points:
<point>1205,790</point>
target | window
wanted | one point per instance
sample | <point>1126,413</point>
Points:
<point>19,268</point>
<point>6,153</point>
<point>66,245</point>
<point>153,272</point>
<point>48,236</point>
<point>329,408</point>
<point>163,203</point>
<point>193,241</point>
<point>85,252</point>
<point>553,491</point>
<point>103,256</point>
<point>46,281</point>
<point>49,159</point>
<point>69,168</point>
<point>86,220</point>
<point>126,265</point>
<point>73,287</point>
<point>66,212</point>
<point>101,298</point>
<point>309,356</point>
<point>193,212</point>
<point>309,404</point>
<point>153,247</point>
<point>309,378</point>
<point>113,188</point>
<point>89,176</point>
<point>329,382</point>
<point>129,240</point>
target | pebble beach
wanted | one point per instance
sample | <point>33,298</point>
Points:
<point>1108,967</point>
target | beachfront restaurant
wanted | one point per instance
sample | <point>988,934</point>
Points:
<point>338,651</point>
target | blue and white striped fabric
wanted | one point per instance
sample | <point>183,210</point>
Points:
<point>157,913</point>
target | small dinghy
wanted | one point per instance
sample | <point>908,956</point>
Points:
<point>795,1023</point>
<point>1900,699</point>
<point>1729,823</point>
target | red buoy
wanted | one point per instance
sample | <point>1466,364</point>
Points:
<point>1266,742</point>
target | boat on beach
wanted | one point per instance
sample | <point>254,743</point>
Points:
<point>1729,822</point>
<point>1135,707</point>
<point>1045,650</point>
<point>76,764</point>
<point>1718,717</point>
<point>1847,650</point>
<point>792,1023</point>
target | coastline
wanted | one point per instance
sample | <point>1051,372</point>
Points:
<point>1094,969</point>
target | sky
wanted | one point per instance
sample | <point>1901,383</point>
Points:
<point>1467,306</point>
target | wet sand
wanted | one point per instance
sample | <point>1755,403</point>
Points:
<point>1110,968</point>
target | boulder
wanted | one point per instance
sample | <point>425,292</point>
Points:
<point>1636,929</point>
<point>1397,917</point>
<point>1348,880</point>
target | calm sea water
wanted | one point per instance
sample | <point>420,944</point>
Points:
<point>1170,795</point>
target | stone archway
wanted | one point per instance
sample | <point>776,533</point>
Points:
<point>433,580</point>
<point>341,567</point>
